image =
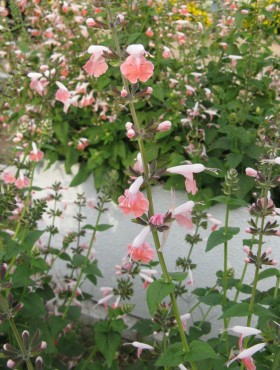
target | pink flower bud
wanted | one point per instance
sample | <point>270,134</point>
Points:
<point>251,172</point>
<point>274,262</point>
<point>247,260</point>
<point>130,133</point>
<point>246,249</point>
<point>43,345</point>
<point>10,364</point>
<point>268,251</point>
<point>128,125</point>
<point>123,93</point>
<point>244,11</point>
<point>164,126</point>
<point>90,22</point>
<point>149,90</point>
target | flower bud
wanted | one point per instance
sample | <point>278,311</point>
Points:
<point>164,126</point>
<point>130,133</point>
<point>124,93</point>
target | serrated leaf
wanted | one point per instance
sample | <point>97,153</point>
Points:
<point>107,340</point>
<point>156,292</point>
<point>200,350</point>
<point>173,356</point>
<point>219,237</point>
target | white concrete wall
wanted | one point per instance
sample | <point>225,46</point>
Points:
<point>110,246</point>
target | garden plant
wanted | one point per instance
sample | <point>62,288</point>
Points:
<point>139,96</point>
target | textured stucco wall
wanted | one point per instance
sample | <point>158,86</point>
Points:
<point>110,246</point>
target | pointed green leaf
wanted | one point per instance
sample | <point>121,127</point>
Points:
<point>236,310</point>
<point>219,237</point>
<point>200,350</point>
<point>156,292</point>
<point>173,356</point>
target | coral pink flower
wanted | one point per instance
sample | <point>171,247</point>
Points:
<point>245,355</point>
<point>140,346</point>
<point>157,219</point>
<point>9,178</point>
<point>144,253</point>
<point>97,65</point>
<point>36,155</point>
<point>166,52</point>
<point>22,181</point>
<point>182,214</point>
<point>62,93</point>
<point>133,201</point>
<point>188,170</point>
<point>38,83</point>
<point>149,32</point>
<point>82,143</point>
<point>136,67</point>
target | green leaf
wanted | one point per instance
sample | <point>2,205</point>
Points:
<point>178,276</point>
<point>9,247</point>
<point>73,313</point>
<point>33,301</point>
<point>236,310</point>
<point>61,130</point>
<point>263,312</point>
<point>219,237</point>
<point>233,160</point>
<point>108,339</point>
<point>81,176</point>
<point>212,299</point>
<point>156,292</point>
<point>268,273</point>
<point>78,260</point>
<point>158,92</point>
<point>173,356</point>
<point>103,227</point>
<point>230,201</point>
<point>30,238</point>
<point>200,350</point>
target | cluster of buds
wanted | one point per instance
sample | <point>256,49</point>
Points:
<point>263,260</point>
<point>124,289</point>
<point>262,207</point>
<point>270,228</point>
<point>125,95</point>
<point>230,185</point>
<point>163,318</point>
<point>32,346</point>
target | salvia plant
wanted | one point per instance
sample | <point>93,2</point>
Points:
<point>139,94</point>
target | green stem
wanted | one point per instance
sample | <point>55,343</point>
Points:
<point>5,307</point>
<point>254,289</point>
<point>149,196</point>
<point>276,362</point>
<point>198,303</point>
<point>25,207</point>
<point>275,295</point>
<point>204,317</point>
<point>92,353</point>
<point>84,263</point>
<point>225,277</point>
